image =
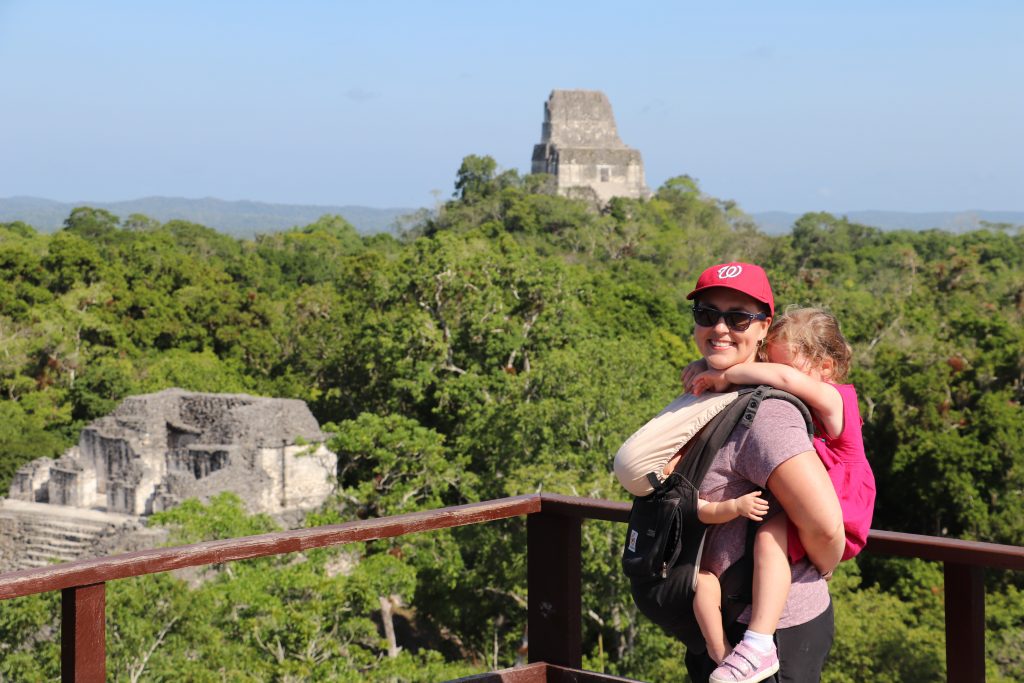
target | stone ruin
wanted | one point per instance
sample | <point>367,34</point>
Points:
<point>158,449</point>
<point>580,147</point>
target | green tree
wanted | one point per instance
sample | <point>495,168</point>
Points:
<point>475,177</point>
<point>92,224</point>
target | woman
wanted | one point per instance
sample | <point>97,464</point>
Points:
<point>733,308</point>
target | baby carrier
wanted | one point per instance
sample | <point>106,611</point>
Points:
<point>665,539</point>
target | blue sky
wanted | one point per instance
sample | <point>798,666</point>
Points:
<point>914,106</point>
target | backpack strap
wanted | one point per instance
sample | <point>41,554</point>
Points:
<point>740,412</point>
<point>756,396</point>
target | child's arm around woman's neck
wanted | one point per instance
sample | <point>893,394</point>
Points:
<point>821,397</point>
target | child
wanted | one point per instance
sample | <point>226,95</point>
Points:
<point>806,355</point>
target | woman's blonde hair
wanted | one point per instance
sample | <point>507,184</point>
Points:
<point>814,334</point>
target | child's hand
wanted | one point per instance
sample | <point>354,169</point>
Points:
<point>752,506</point>
<point>691,371</point>
<point>709,380</point>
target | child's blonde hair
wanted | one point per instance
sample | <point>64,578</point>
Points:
<point>813,333</point>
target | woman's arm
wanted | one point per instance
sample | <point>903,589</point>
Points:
<point>802,486</point>
<point>821,397</point>
<point>752,506</point>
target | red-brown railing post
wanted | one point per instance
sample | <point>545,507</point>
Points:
<point>83,634</point>
<point>965,623</point>
<point>553,574</point>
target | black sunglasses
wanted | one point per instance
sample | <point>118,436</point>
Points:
<point>735,320</point>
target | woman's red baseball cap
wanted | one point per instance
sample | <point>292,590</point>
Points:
<point>743,277</point>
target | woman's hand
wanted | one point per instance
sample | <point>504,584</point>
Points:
<point>691,371</point>
<point>709,380</point>
<point>752,506</point>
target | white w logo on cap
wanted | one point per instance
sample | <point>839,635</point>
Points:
<point>726,272</point>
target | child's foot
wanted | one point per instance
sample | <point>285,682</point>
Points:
<point>746,665</point>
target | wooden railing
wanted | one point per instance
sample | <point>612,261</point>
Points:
<point>554,529</point>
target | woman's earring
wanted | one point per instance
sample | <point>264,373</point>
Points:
<point>760,343</point>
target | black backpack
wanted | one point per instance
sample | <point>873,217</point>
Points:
<point>665,539</point>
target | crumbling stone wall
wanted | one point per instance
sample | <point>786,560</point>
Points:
<point>30,481</point>
<point>580,146</point>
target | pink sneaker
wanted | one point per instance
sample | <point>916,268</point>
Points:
<point>746,665</point>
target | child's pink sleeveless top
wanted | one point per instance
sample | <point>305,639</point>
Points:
<point>851,475</point>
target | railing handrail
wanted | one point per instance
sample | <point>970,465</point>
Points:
<point>97,570</point>
<point>84,572</point>
<point>944,549</point>
<point>935,548</point>
<point>554,565</point>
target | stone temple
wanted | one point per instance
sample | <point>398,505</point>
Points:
<point>158,449</point>
<point>580,146</point>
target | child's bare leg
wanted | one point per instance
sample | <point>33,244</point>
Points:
<point>772,575</point>
<point>707,607</point>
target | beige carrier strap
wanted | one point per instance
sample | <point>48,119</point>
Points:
<point>651,447</point>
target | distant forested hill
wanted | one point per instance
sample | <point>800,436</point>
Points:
<point>507,344</point>
<point>781,222</point>
<point>246,219</point>
<point>238,218</point>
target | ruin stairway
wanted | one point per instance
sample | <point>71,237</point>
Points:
<point>38,534</point>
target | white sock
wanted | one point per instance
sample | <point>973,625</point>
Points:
<point>762,642</point>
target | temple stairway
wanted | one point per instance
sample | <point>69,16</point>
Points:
<point>38,534</point>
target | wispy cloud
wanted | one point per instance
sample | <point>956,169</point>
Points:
<point>761,53</point>
<point>655,106</point>
<point>358,94</point>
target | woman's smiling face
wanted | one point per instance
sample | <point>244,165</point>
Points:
<point>723,347</point>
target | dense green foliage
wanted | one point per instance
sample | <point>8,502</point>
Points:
<point>508,344</point>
